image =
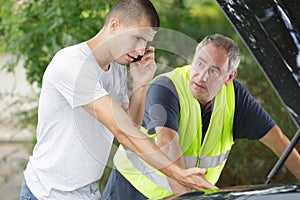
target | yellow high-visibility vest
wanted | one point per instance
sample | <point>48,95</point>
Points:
<point>212,154</point>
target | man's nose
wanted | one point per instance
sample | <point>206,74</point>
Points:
<point>203,74</point>
<point>141,51</point>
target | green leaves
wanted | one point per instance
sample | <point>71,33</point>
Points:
<point>35,30</point>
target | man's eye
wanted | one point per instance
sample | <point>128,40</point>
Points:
<point>212,71</point>
<point>199,64</point>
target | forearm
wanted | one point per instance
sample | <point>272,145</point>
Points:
<point>175,186</point>
<point>278,142</point>
<point>149,152</point>
<point>137,104</point>
<point>144,147</point>
<point>142,73</point>
<point>110,114</point>
<point>169,144</point>
<point>118,122</point>
<point>293,164</point>
<point>293,161</point>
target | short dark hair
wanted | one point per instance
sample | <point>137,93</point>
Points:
<point>132,11</point>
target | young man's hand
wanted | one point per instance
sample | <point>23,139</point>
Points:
<point>194,179</point>
<point>143,71</point>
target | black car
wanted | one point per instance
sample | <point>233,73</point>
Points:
<point>256,192</point>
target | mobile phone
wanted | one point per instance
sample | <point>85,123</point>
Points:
<point>139,56</point>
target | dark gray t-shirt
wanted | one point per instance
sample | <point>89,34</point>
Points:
<point>251,121</point>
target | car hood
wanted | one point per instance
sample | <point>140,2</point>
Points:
<point>253,192</point>
<point>270,30</point>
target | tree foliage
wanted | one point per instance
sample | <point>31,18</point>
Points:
<point>35,29</point>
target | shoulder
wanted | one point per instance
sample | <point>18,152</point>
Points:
<point>163,83</point>
<point>162,92</point>
<point>162,105</point>
<point>239,87</point>
<point>250,120</point>
<point>73,66</point>
<point>243,99</point>
<point>242,94</point>
<point>69,58</point>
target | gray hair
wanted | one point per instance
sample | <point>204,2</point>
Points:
<point>227,44</point>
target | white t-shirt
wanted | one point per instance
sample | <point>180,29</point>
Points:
<point>72,146</point>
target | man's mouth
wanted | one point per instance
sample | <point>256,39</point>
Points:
<point>199,86</point>
<point>131,58</point>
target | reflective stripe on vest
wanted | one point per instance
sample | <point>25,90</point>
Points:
<point>141,175</point>
<point>146,170</point>
<point>206,161</point>
<point>212,154</point>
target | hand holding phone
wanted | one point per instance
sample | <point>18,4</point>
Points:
<point>143,71</point>
<point>139,56</point>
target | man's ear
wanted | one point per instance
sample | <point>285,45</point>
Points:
<point>231,76</point>
<point>114,25</point>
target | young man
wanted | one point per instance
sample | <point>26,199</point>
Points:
<point>196,112</point>
<point>82,104</point>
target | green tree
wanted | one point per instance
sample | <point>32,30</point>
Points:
<point>35,30</point>
<point>5,11</point>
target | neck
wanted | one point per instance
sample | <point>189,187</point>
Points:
<point>206,105</point>
<point>100,50</point>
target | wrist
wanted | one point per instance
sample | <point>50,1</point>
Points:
<point>176,171</point>
<point>139,87</point>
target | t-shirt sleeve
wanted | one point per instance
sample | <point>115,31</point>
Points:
<point>162,105</point>
<point>77,83</point>
<point>251,121</point>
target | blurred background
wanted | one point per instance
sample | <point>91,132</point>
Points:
<point>31,31</point>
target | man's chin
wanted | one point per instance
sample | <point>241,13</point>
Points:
<point>122,62</point>
<point>201,96</point>
<point>199,93</point>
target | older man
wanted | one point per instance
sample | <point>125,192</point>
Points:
<point>195,113</point>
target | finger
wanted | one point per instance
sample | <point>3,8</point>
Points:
<point>206,185</point>
<point>149,53</point>
<point>201,171</point>
<point>148,57</point>
<point>150,49</point>
<point>200,182</point>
